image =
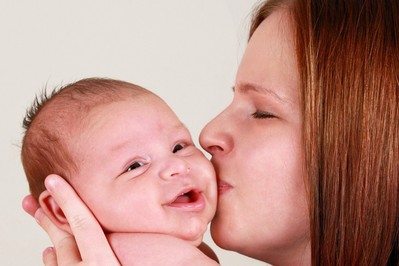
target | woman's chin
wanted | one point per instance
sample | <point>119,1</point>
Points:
<point>222,235</point>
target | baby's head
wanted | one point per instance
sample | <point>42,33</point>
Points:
<point>126,154</point>
<point>56,118</point>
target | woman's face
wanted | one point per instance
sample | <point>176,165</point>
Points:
<point>257,151</point>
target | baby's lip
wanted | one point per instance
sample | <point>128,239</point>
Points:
<point>188,199</point>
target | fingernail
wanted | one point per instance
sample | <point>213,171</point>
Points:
<point>47,251</point>
<point>50,183</point>
<point>39,215</point>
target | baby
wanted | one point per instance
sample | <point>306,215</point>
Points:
<point>128,157</point>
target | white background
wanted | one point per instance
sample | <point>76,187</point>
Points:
<point>185,51</point>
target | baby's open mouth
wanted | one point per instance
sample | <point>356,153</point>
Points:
<point>188,200</point>
<point>187,197</point>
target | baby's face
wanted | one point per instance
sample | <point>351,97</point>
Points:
<point>140,171</point>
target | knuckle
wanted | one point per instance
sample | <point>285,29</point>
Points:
<point>79,222</point>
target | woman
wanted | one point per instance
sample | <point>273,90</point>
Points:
<point>307,154</point>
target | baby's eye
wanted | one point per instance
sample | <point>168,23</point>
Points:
<point>178,147</point>
<point>262,114</point>
<point>134,166</point>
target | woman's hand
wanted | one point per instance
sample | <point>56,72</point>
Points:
<point>88,236</point>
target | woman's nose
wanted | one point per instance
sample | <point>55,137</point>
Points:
<point>216,137</point>
<point>175,167</point>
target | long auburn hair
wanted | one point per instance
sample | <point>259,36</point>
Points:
<point>348,60</point>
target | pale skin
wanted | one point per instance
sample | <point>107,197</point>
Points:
<point>257,151</point>
<point>139,172</point>
<point>82,222</point>
<point>136,157</point>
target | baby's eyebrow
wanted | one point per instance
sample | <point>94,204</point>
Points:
<point>182,126</point>
<point>119,145</point>
<point>179,124</point>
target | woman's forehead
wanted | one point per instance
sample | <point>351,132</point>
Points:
<point>270,60</point>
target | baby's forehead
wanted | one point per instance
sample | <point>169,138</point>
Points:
<point>138,109</point>
<point>112,120</point>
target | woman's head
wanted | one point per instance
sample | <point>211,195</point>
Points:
<point>256,147</point>
<point>344,64</point>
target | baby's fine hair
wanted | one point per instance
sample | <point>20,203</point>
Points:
<point>55,117</point>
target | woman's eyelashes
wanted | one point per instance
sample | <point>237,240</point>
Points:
<point>262,114</point>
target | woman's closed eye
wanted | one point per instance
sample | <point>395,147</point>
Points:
<point>262,114</point>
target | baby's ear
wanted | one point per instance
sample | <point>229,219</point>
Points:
<point>53,211</point>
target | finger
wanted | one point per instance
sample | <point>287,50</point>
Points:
<point>49,257</point>
<point>83,224</point>
<point>30,205</point>
<point>63,241</point>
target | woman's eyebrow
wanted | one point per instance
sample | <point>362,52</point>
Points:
<point>246,87</point>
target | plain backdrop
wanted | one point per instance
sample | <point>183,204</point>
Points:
<point>185,51</point>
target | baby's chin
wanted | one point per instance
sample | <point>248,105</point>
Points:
<point>197,241</point>
<point>194,237</point>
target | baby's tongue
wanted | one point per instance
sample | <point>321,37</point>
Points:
<point>182,199</point>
